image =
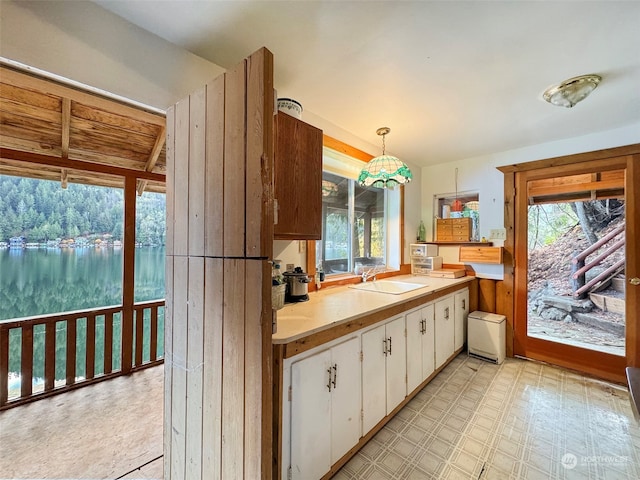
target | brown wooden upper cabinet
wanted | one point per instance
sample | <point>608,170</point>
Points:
<point>297,179</point>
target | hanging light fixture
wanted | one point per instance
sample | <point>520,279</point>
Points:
<point>384,171</point>
<point>571,91</point>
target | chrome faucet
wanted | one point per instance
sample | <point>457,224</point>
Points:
<point>368,275</point>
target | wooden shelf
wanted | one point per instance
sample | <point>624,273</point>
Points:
<point>473,244</point>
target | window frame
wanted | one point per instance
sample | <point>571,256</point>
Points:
<point>350,278</point>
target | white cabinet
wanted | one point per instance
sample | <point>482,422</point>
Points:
<point>384,370</point>
<point>444,329</point>
<point>420,346</point>
<point>325,408</point>
<point>461,300</point>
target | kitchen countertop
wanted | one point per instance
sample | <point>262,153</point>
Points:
<point>333,306</point>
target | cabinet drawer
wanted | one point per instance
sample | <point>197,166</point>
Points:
<point>481,254</point>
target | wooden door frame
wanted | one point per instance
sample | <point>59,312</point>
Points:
<point>627,157</point>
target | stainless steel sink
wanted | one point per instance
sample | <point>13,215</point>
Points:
<point>388,286</point>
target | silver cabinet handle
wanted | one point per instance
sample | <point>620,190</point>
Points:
<point>389,345</point>
<point>329,384</point>
<point>335,375</point>
<point>446,313</point>
<point>464,303</point>
<point>384,347</point>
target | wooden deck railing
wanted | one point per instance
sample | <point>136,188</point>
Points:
<point>44,355</point>
<point>580,267</point>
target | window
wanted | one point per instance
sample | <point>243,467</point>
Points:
<point>360,226</point>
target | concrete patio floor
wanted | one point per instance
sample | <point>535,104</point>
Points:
<point>112,429</point>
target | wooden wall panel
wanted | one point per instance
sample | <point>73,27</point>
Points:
<point>197,146</point>
<point>214,167</point>
<point>178,366</point>
<point>212,391</point>
<point>233,321</point>
<point>194,364</point>
<point>218,395</point>
<point>487,295</point>
<point>234,162</point>
<point>181,179</point>
<point>168,357</point>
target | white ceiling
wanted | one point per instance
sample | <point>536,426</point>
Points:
<point>452,79</point>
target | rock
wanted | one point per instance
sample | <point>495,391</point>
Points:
<point>568,304</point>
<point>553,313</point>
<point>568,319</point>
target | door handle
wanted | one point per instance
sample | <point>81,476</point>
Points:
<point>335,375</point>
<point>446,313</point>
<point>634,281</point>
<point>464,304</point>
<point>329,384</point>
<point>384,347</point>
<point>389,345</point>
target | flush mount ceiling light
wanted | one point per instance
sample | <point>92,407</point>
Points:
<point>571,91</point>
<point>384,171</point>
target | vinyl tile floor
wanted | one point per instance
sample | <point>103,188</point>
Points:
<point>517,420</point>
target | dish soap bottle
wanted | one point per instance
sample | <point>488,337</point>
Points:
<point>422,232</point>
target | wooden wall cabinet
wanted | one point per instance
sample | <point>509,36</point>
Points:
<point>453,229</point>
<point>297,179</point>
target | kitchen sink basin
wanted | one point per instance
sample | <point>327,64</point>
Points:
<point>388,286</point>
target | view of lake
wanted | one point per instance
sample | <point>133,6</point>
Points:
<point>40,281</point>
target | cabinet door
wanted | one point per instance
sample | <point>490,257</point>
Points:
<point>428,341</point>
<point>461,313</point>
<point>310,413</point>
<point>444,329</point>
<point>414,349</point>
<point>373,377</point>
<point>396,363</point>
<point>297,179</point>
<point>345,397</point>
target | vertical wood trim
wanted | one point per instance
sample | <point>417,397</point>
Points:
<point>197,138</point>
<point>168,363</point>
<point>195,359</point>
<point>181,179</point>
<point>71,351</point>
<point>108,343</point>
<point>212,391</point>
<point>214,167</point>
<point>49,356</point>
<point>508,259</point>
<point>632,255</point>
<point>259,157</point>
<point>473,296</point>
<point>234,162</point>
<point>169,186</point>
<point>139,342</point>
<point>233,393</point>
<point>276,416</point>
<point>153,335</point>
<point>128,271</point>
<point>4,365</point>
<point>90,359</point>
<point>178,367</point>
<point>26,364</point>
<point>252,374</point>
<point>521,260</point>
<point>487,295</point>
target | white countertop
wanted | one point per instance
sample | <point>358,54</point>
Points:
<point>333,306</point>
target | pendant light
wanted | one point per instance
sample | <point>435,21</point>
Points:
<point>385,171</point>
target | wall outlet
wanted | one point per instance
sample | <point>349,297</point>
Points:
<point>302,246</point>
<point>498,234</point>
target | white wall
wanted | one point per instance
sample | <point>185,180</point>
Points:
<point>85,43</point>
<point>480,174</point>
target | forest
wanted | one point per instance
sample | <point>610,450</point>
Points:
<point>40,210</point>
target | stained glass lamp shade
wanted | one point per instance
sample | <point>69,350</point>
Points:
<point>385,171</point>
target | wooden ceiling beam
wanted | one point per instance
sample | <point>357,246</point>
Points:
<point>94,99</point>
<point>153,158</point>
<point>37,158</point>
<point>65,126</point>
